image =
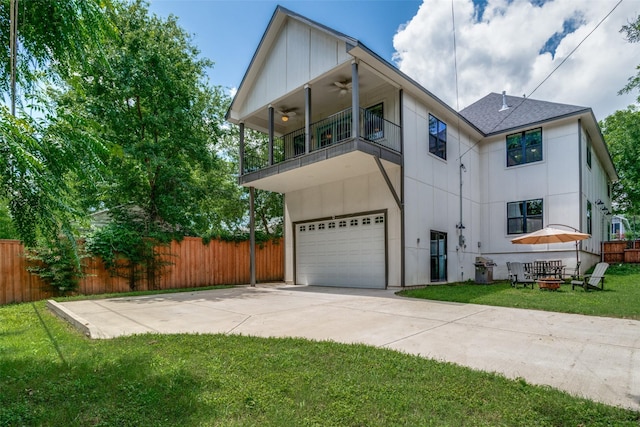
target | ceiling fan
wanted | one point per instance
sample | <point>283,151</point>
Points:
<point>286,114</point>
<point>343,87</point>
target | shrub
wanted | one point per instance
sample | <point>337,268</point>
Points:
<point>58,263</point>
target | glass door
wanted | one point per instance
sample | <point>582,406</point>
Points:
<point>438,256</point>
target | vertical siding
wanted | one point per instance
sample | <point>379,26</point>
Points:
<point>191,264</point>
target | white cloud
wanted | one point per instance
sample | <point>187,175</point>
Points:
<point>233,91</point>
<point>501,51</point>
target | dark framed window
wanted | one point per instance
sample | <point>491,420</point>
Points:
<point>374,122</point>
<point>524,147</point>
<point>589,217</point>
<point>588,151</point>
<point>524,216</point>
<point>437,137</point>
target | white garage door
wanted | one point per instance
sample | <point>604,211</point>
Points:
<point>347,252</point>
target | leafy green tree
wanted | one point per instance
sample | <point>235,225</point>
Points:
<point>53,37</point>
<point>7,230</point>
<point>632,31</point>
<point>38,153</point>
<point>161,120</point>
<point>158,114</point>
<point>268,205</point>
<point>621,131</point>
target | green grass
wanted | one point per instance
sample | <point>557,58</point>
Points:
<point>50,375</point>
<point>620,298</point>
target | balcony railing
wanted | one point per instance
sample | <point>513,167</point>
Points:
<point>325,133</point>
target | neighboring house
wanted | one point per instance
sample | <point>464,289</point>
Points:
<point>386,185</point>
<point>619,227</point>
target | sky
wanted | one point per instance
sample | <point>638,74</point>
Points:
<point>510,45</point>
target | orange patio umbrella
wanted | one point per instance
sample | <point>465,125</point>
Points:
<point>552,235</point>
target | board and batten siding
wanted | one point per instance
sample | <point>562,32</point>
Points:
<point>432,194</point>
<point>299,55</point>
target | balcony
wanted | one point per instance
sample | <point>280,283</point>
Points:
<point>382,135</point>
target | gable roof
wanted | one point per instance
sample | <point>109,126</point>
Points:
<point>487,116</point>
<point>354,47</point>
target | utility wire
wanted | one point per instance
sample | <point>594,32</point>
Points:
<point>548,76</point>
<point>576,48</point>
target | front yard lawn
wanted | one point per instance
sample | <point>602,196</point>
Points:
<point>620,298</point>
<point>50,375</point>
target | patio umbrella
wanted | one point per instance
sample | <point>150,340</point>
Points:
<point>552,235</point>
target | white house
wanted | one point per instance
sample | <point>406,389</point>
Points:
<point>619,227</point>
<point>386,185</point>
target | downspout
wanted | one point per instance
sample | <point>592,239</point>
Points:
<point>402,236</point>
<point>580,208</point>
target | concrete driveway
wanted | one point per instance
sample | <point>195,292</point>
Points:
<point>594,357</point>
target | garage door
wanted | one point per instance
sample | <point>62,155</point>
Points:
<point>347,252</point>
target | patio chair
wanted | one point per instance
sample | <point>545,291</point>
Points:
<point>556,268</point>
<point>518,275</point>
<point>594,280</point>
<point>573,273</point>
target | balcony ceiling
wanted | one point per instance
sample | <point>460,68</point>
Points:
<point>338,168</point>
<point>326,99</point>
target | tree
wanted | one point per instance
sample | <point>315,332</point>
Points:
<point>161,121</point>
<point>38,153</point>
<point>268,205</point>
<point>632,31</point>
<point>621,131</point>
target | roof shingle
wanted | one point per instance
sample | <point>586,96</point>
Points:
<point>485,113</point>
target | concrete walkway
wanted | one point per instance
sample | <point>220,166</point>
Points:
<point>594,357</point>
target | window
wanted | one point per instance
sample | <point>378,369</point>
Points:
<point>588,151</point>
<point>366,221</point>
<point>332,224</point>
<point>312,227</point>
<point>374,122</point>
<point>437,137</point>
<point>342,224</point>
<point>524,217</point>
<point>589,216</point>
<point>524,147</point>
<point>321,226</point>
<point>354,223</point>
<point>379,220</point>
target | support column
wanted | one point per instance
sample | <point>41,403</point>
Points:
<point>241,159</point>
<point>271,131</point>
<point>402,223</point>
<point>252,237</point>
<point>307,119</point>
<point>355,101</point>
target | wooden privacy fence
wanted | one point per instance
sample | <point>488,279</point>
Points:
<point>192,264</point>
<point>621,251</point>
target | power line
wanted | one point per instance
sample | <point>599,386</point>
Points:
<point>549,75</point>
<point>576,48</point>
